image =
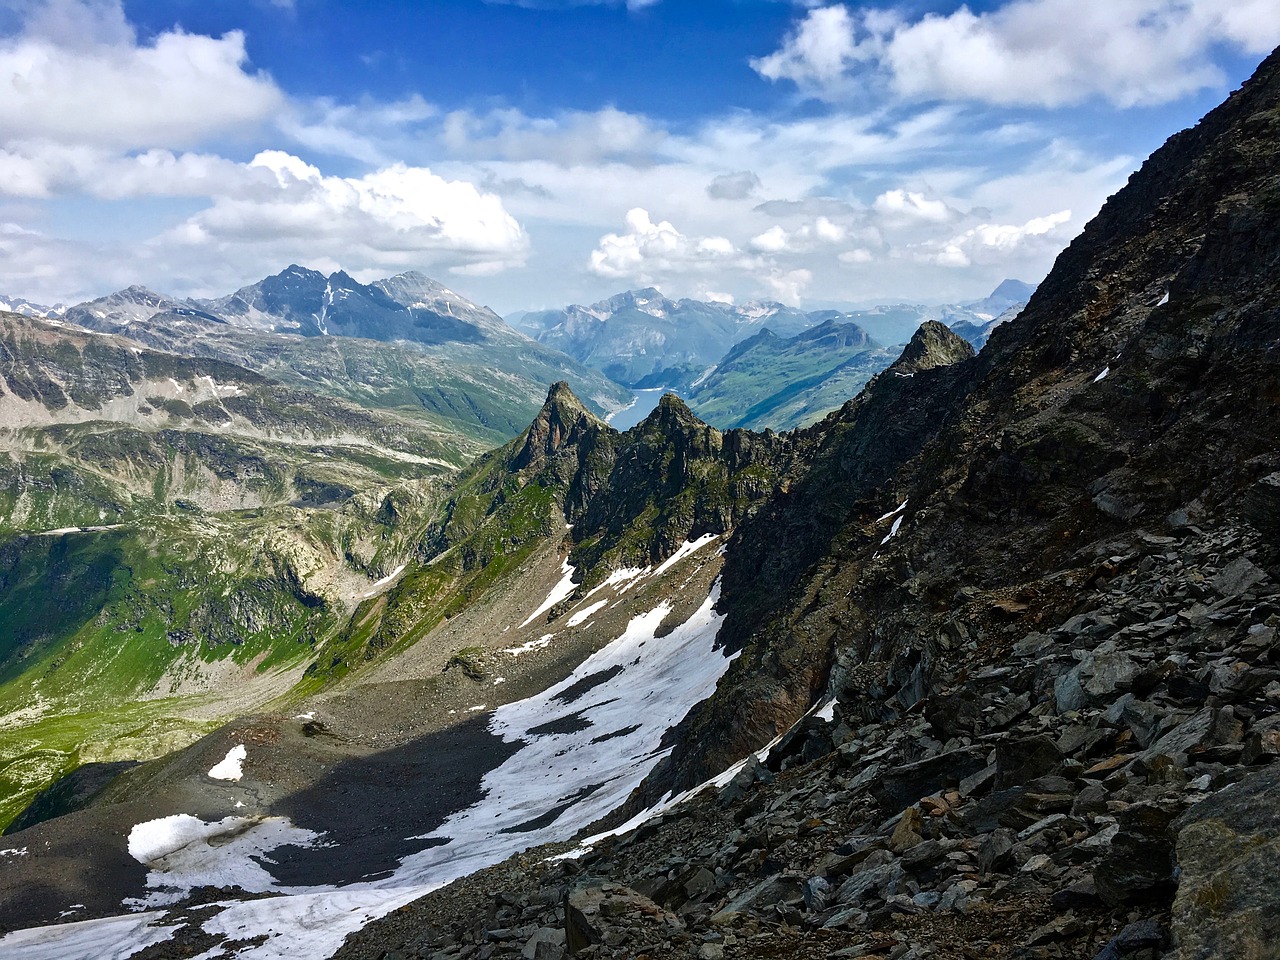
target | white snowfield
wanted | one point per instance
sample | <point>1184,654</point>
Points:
<point>587,743</point>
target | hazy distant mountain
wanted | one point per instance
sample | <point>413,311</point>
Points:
<point>135,304</point>
<point>641,338</point>
<point>769,381</point>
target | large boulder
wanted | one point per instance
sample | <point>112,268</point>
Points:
<point>1228,852</point>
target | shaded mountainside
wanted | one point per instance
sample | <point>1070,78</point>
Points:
<point>1028,452</point>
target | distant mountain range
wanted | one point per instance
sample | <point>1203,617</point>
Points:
<point>643,339</point>
<point>28,309</point>
<point>406,344</point>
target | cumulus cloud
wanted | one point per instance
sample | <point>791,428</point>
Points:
<point>44,169</point>
<point>651,250</point>
<point>78,74</point>
<point>817,52</point>
<point>989,242</point>
<point>778,240</point>
<point>906,206</point>
<point>1045,53</point>
<point>394,217</point>
<point>788,286</point>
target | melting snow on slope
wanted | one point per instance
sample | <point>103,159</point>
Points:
<point>530,646</point>
<point>558,593</point>
<point>112,938</point>
<point>185,852</point>
<point>1102,375</point>
<point>380,585</point>
<point>672,800</point>
<point>583,615</point>
<point>686,548</point>
<point>623,576</point>
<point>560,782</point>
<point>893,531</point>
<point>230,767</point>
<point>587,743</point>
<point>893,513</point>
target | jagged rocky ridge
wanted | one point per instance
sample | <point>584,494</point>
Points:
<point>1037,591</point>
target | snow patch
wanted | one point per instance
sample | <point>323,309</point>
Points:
<point>893,513</point>
<point>231,767</point>
<point>111,938</point>
<point>558,593</point>
<point>641,686</point>
<point>532,645</point>
<point>686,549</point>
<point>622,576</point>
<point>1103,374</point>
<point>382,584</point>
<point>893,531</point>
<point>185,852</point>
<point>582,615</point>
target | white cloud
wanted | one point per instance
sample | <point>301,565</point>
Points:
<point>906,206</point>
<point>773,240</point>
<point>395,217</point>
<point>777,239</point>
<point>857,255</point>
<point>1045,53</point>
<point>788,286</point>
<point>996,241</point>
<point>816,53</point>
<point>78,74</point>
<point>44,169</point>
<point>648,251</point>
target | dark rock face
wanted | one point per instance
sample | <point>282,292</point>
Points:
<point>1229,854</point>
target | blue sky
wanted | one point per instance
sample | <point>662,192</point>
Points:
<point>540,152</point>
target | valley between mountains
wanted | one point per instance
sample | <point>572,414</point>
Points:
<point>338,620</point>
